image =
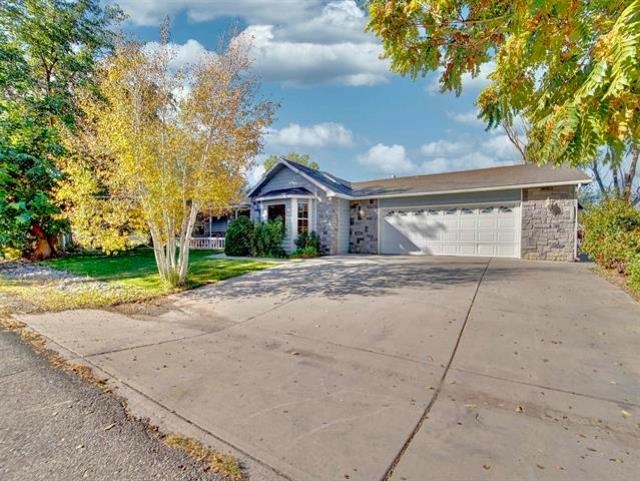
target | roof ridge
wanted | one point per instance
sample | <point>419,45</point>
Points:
<point>450,172</point>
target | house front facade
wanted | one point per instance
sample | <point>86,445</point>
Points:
<point>519,211</point>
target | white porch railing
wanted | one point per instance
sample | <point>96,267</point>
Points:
<point>207,243</point>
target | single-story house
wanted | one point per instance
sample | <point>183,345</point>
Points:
<point>522,211</point>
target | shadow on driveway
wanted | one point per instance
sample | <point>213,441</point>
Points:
<point>335,278</point>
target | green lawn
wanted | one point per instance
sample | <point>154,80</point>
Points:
<point>126,277</point>
<point>137,268</point>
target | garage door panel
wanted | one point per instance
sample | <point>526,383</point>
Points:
<point>506,236</point>
<point>467,231</point>
<point>486,250</point>
<point>467,235</point>
<point>467,250</point>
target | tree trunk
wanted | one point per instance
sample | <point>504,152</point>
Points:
<point>185,239</point>
<point>173,260</point>
<point>630,174</point>
<point>596,173</point>
<point>44,246</point>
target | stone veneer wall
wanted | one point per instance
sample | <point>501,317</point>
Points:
<point>363,231</point>
<point>549,223</point>
<point>328,224</point>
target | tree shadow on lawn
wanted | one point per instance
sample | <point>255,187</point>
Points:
<point>335,279</point>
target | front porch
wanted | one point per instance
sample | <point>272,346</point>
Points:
<point>295,207</point>
<point>209,231</point>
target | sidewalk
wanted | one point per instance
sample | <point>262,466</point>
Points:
<point>56,426</point>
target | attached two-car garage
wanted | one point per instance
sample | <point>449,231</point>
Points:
<point>487,224</point>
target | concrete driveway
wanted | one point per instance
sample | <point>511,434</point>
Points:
<point>371,368</point>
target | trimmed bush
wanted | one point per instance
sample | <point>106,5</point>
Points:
<point>267,239</point>
<point>612,234</point>
<point>238,237</point>
<point>308,245</point>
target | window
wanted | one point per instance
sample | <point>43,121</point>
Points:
<point>276,211</point>
<point>303,217</point>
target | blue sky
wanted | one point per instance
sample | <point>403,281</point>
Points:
<point>339,102</point>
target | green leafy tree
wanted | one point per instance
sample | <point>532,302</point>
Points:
<point>569,68</point>
<point>302,159</point>
<point>48,50</point>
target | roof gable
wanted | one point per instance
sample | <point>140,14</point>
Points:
<point>323,180</point>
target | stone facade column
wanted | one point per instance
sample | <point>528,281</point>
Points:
<point>363,226</point>
<point>549,219</point>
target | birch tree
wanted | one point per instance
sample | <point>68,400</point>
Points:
<point>181,139</point>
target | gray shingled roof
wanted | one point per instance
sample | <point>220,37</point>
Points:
<point>330,181</point>
<point>493,178</point>
<point>470,180</point>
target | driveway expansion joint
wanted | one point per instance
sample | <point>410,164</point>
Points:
<point>425,414</point>
<point>362,349</point>
<point>547,388</point>
<point>140,346</point>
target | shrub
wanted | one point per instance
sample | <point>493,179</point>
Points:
<point>308,245</point>
<point>267,239</point>
<point>305,253</point>
<point>238,237</point>
<point>612,234</point>
<point>633,272</point>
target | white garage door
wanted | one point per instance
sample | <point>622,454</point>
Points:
<point>462,231</point>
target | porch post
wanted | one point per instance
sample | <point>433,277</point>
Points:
<point>294,221</point>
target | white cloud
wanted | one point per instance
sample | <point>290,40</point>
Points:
<point>319,135</point>
<point>308,63</point>
<point>468,153</point>
<point>151,12</point>
<point>293,42</point>
<point>500,146</point>
<point>469,83</point>
<point>387,159</point>
<point>466,118</point>
<point>443,147</point>
<point>473,160</point>
<point>339,21</point>
<point>255,173</point>
<point>189,52</point>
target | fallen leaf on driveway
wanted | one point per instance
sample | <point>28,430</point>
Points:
<point>625,414</point>
<point>486,466</point>
<point>519,409</point>
<point>471,405</point>
<point>109,426</point>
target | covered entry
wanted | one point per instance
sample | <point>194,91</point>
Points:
<point>472,230</point>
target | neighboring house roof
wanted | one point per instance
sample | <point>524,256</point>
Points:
<point>493,178</point>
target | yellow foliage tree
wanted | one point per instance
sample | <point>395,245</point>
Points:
<point>180,140</point>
